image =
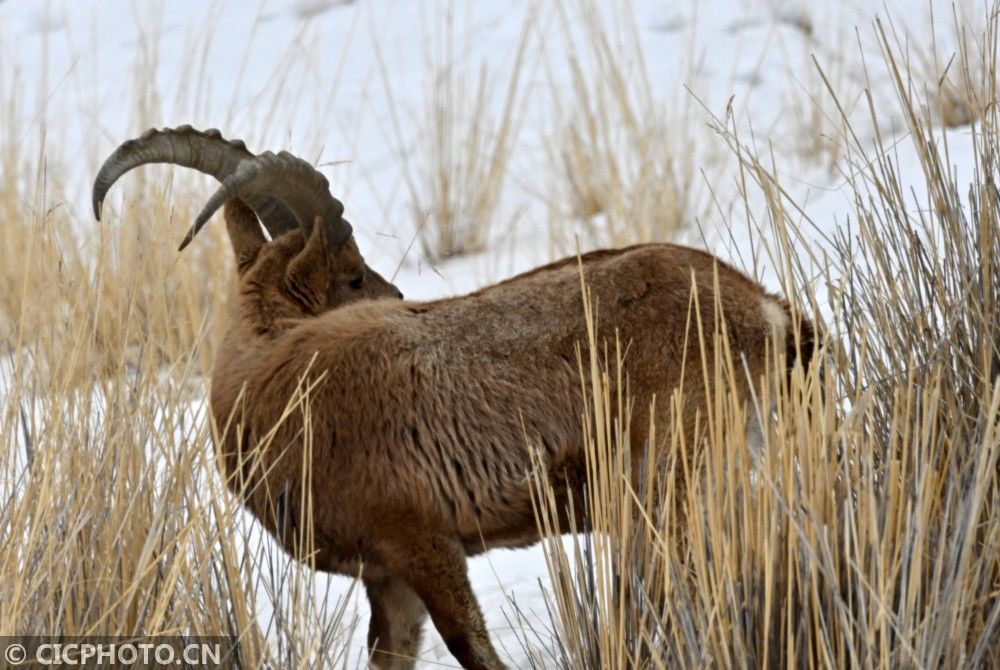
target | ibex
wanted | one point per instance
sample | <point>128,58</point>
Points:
<point>420,414</point>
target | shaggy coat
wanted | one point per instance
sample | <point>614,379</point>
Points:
<point>414,419</point>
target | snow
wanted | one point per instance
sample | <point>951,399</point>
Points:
<point>342,83</point>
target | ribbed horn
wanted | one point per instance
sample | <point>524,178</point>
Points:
<point>293,181</point>
<point>205,151</point>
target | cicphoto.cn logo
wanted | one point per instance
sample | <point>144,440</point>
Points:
<point>113,653</point>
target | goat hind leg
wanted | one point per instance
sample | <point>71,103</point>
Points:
<point>395,630</point>
<point>434,567</point>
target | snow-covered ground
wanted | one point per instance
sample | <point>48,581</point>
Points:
<point>343,83</point>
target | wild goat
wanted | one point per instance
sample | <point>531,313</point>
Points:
<point>420,414</point>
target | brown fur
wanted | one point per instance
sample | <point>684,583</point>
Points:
<point>421,413</point>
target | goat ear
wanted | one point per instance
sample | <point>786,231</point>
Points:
<point>306,277</point>
<point>244,233</point>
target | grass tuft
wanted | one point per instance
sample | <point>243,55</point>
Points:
<point>865,532</point>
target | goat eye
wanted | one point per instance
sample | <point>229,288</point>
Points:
<point>357,282</point>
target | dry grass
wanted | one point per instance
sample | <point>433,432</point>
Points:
<point>456,171</point>
<point>958,87</point>
<point>819,136</point>
<point>114,520</point>
<point>866,532</point>
<point>113,517</point>
<point>621,160</point>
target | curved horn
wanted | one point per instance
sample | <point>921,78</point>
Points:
<point>206,152</point>
<point>293,181</point>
